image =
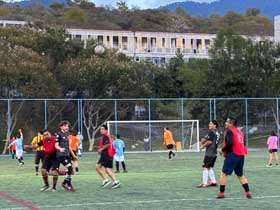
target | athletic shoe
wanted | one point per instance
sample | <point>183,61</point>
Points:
<point>22,163</point>
<point>202,185</point>
<point>36,173</point>
<point>248,195</point>
<point>125,171</point>
<point>213,185</point>
<point>116,184</point>
<point>269,165</point>
<point>65,186</point>
<point>220,195</point>
<point>105,183</point>
<point>45,188</point>
<point>117,172</point>
<point>77,172</point>
<point>53,190</point>
<point>71,188</point>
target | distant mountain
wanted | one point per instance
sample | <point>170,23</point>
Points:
<point>44,3</point>
<point>268,8</point>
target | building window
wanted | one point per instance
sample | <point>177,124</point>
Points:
<point>173,43</point>
<point>163,42</point>
<point>78,36</point>
<point>115,42</point>
<point>100,39</point>
<point>124,42</point>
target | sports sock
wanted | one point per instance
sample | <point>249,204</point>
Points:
<point>222,188</point>
<point>123,166</point>
<point>205,176</point>
<point>77,169</point>
<point>36,168</point>
<point>117,165</point>
<point>55,178</point>
<point>170,153</point>
<point>45,178</point>
<point>212,176</point>
<point>246,187</point>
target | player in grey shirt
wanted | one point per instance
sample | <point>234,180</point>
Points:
<point>210,142</point>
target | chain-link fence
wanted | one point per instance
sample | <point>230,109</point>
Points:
<point>257,117</point>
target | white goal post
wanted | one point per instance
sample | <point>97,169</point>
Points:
<point>133,133</point>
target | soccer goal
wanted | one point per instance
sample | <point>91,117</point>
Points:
<point>148,135</point>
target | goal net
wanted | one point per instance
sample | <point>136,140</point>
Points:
<point>148,135</point>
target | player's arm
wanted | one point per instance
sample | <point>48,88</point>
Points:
<point>20,132</point>
<point>106,144</point>
<point>73,154</point>
<point>229,142</point>
<point>33,145</point>
<point>206,144</point>
<point>57,147</point>
<point>14,142</point>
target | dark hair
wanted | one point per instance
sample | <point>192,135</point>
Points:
<point>41,132</point>
<point>166,128</point>
<point>215,123</point>
<point>118,136</point>
<point>233,121</point>
<point>45,130</point>
<point>104,126</point>
<point>273,133</point>
<point>64,122</point>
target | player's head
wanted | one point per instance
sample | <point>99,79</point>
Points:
<point>64,126</point>
<point>40,132</point>
<point>118,136</point>
<point>103,129</point>
<point>46,134</point>
<point>213,124</point>
<point>231,122</point>
<point>79,132</point>
<point>273,133</point>
<point>166,129</point>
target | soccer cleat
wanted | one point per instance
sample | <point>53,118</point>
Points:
<point>125,171</point>
<point>22,163</point>
<point>116,184</point>
<point>105,183</point>
<point>71,188</point>
<point>36,173</point>
<point>45,188</point>
<point>213,185</point>
<point>117,172</point>
<point>248,195</point>
<point>65,186</point>
<point>202,185</point>
<point>220,195</point>
<point>53,190</point>
<point>269,165</point>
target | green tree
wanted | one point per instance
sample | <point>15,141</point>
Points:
<point>75,15</point>
<point>252,11</point>
<point>122,6</point>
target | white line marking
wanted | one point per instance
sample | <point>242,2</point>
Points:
<point>146,201</point>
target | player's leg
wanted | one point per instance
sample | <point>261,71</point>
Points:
<point>276,158</point>
<point>36,163</point>
<point>205,173</point>
<point>116,183</point>
<point>105,181</point>
<point>117,166</point>
<point>124,166</point>
<point>44,171</point>
<point>270,159</point>
<point>242,179</point>
<point>211,172</point>
<point>55,173</point>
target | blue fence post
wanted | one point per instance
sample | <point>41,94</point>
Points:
<point>277,117</point>
<point>81,116</point>
<point>150,126</point>
<point>210,109</point>
<point>246,123</point>
<point>45,114</point>
<point>182,125</point>
<point>116,116</point>
<point>215,116</point>
<point>9,122</point>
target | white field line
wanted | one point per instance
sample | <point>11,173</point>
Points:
<point>143,202</point>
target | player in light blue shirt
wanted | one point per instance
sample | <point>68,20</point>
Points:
<point>119,156</point>
<point>19,150</point>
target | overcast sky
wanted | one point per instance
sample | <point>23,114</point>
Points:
<point>143,3</point>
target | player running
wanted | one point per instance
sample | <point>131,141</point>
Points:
<point>74,144</point>
<point>63,153</point>
<point>19,150</point>
<point>50,161</point>
<point>13,147</point>
<point>119,156</point>
<point>106,152</point>
<point>234,150</point>
<point>169,142</point>
<point>210,142</point>
<point>40,154</point>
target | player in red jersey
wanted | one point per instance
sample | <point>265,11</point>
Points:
<point>50,160</point>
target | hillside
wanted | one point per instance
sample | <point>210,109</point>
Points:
<point>268,8</point>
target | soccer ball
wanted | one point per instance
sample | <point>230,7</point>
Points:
<point>99,50</point>
<point>133,146</point>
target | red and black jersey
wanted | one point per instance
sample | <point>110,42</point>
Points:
<point>49,146</point>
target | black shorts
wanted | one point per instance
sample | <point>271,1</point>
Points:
<point>71,156</point>
<point>106,162</point>
<point>169,146</point>
<point>49,163</point>
<point>272,150</point>
<point>209,162</point>
<point>64,160</point>
<point>40,155</point>
<point>234,163</point>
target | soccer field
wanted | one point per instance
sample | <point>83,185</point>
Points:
<point>152,182</point>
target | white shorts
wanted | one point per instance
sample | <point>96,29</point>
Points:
<point>19,153</point>
<point>119,158</point>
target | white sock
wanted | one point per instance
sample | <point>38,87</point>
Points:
<point>212,176</point>
<point>205,177</point>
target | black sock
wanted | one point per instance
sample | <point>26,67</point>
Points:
<point>123,166</point>
<point>77,169</point>
<point>222,188</point>
<point>117,166</point>
<point>36,168</point>
<point>246,187</point>
<point>170,153</point>
<point>19,160</point>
